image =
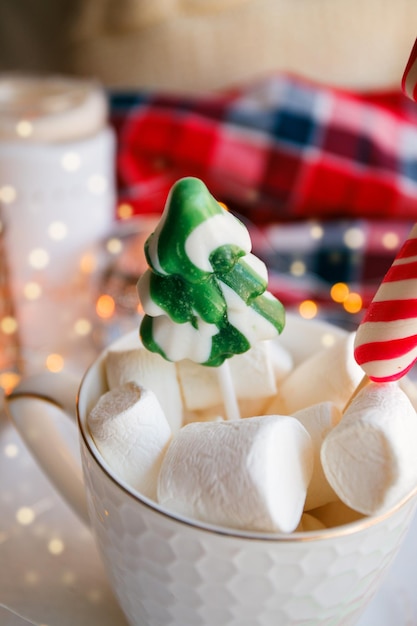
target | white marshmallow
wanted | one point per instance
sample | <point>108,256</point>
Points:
<point>282,361</point>
<point>370,457</point>
<point>252,374</point>
<point>250,474</point>
<point>318,420</point>
<point>410,389</point>
<point>151,371</point>
<point>248,407</point>
<point>331,374</point>
<point>131,432</point>
<point>204,416</point>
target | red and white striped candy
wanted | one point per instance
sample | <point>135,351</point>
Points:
<point>409,79</point>
<point>386,340</point>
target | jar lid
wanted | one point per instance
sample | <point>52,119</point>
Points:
<point>50,109</point>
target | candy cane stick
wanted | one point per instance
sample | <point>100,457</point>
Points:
<point>386,340</point>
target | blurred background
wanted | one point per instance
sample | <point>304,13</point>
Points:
<point>209,44</point>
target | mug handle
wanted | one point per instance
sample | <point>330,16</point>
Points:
<point>39,408</point>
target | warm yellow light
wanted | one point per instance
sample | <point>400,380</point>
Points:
<point>124,211</point>
<point>8,381</point>
<point>114,245</point>
<point>316,232</point>
<point>56,546</point>
<point>8,325</point>
<point>105,306</point>
<point>32,290</point>
<point>8,194</point>
<point>54,362</point>
<point>353,303</point>
<point>88,263</point>
<point>298,268</point>
<point>224,206</point>
<point>339,292</point>
<point>24,128</point>
<point>328,340</point>
<point>82,327</point>
<point>390,241</point>
<point>25,515</point>
<point>308,309</point>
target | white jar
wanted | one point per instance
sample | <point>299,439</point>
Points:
<point>57,202</point>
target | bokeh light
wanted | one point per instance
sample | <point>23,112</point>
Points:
<point>24,128</point>
<point>32,290</point>
<point>8,194</point>
<point>124,211</point>
<point>55,362</point>
<point>308,309</point>
<point>8,325</point>
<point>39,258</point>
<point>339,292</point>
<point>353,303</point>
<point>105,306</point>
<point>390,241</point>
<point>25,515</point>
<point>298,268</point>
<point>114,245</point>
<point>354,238</point>
<point>58,231</point>
<point>83,327</point>
<point>71,161</point>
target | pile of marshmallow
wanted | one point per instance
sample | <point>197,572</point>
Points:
<point>304,462</point>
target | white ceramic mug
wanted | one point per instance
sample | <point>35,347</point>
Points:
<point>171,571</point>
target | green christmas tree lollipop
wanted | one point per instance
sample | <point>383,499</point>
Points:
<point>204,295</point>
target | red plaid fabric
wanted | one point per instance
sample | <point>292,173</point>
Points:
<point>325,180</point>
<point>281,149</point>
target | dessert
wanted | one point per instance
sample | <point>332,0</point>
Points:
<point>329,375</point>
<point>132,433</point>
<point>204,294</point>
<point>370,458</point>
<point>377,436</point>
<point>248,474</point>
<point>149,370</point>
<point>319,420</point>
<point>297,461</point>
<point>386,340</point>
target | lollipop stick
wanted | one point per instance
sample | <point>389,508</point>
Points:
<point>228,391</point>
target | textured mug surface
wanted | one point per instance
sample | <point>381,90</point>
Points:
<point>168,571</point>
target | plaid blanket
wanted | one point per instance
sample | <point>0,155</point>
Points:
<point>325,179</point>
